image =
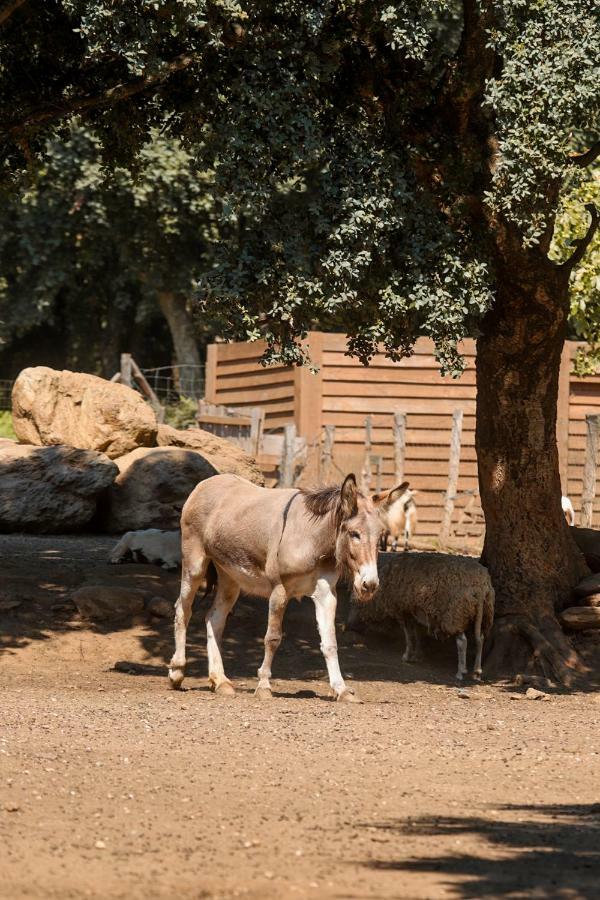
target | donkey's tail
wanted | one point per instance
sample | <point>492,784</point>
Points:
<point>211,580</point>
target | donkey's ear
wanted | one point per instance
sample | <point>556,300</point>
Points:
<point>349,497</point>
<point>386,498</point>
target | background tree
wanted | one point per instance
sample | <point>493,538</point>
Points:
<point>395,167</point>
<point>582,192</point>
<point>98,256</point>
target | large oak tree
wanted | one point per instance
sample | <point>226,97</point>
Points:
<point>394,168</point>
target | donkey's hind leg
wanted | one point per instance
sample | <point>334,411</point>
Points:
<point>277,605</point>
<point>226,597</point>
<point>193,571</point>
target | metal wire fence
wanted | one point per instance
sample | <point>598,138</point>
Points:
<point>6,386</point>
<point>171,383</point>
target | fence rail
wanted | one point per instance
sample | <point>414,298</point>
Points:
<point>171,383</point>
<point>6,386</point>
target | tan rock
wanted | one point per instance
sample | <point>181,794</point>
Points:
<point>84,411</point>
<point>579,618</point>
<point>50,489</point>
<point>224,455</point>
<point>105,603</point>
<point>151,488</point>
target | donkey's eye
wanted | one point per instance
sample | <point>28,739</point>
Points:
<point>355,535</point>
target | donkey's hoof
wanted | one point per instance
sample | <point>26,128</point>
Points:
<point>348,696</point>
<point>263,693</point>
<point>477,676</point>
<point>225,689</point>
<point>176,677</point>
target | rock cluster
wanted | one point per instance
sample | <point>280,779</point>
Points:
<point>61,477</point>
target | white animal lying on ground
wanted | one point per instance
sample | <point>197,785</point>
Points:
<point>399,518</point>
<point>160,548</point>
<point>567,508</point>
<point>444,594</point>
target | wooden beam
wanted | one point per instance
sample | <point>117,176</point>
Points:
<point>308,391</point>
<point>399,446</point>
<point>453,467</point>
<point>286,471</point>
<point>366,471</point>
<point>327,454</point>
<point>589,471</point>
<point>126,371</point>
<point>210,372</point>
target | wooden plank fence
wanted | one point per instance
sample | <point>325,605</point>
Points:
<point>390,422</point>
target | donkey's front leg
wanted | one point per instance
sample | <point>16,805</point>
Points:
<point>277,605</point>
<point>325,602</point>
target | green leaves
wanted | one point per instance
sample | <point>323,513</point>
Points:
<point>353,165</point>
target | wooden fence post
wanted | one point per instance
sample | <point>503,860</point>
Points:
<point>126,369</point>
<point>454,462</point>
<point>286,472</point>
<point>378,462</point>
<point>327,453</point>
<point>256,429</point>
<point>399,446</point>
<point>589,471</point>
<point>366,472</point>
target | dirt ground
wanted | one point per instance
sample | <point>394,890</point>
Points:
<point>111,786</point>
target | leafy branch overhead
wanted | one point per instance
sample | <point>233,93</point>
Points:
<point>371,162</point>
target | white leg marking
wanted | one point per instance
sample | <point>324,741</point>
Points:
<point>325,602</point>
<point>183,612</point>
<point>227,595</point>
<point>278,602</point>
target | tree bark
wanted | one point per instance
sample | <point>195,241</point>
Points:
<point>529,551</point>
<point>181,326</point>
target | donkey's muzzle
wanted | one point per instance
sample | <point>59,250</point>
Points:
<point>365,588</point>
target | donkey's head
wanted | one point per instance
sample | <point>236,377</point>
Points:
<point>358,531</point>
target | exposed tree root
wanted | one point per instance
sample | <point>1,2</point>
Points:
<point>518,645</point>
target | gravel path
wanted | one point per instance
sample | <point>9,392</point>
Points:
<point>113,787</point>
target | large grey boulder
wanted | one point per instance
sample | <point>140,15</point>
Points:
<point>50,489</point>
<point>151,488</point>
<point>52,407</point>
<point>224,455</point>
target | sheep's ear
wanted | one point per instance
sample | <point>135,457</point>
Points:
<point>348,506</point>
<point>386,498</point>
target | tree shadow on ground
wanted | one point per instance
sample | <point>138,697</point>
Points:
<point>40,572</point>
<point>535,851</point>
<point>362,658</point>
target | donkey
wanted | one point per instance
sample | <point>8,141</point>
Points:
<point>277,545</point>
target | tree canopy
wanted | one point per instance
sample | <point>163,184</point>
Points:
<point>366,158</point>
<point>96,252</point>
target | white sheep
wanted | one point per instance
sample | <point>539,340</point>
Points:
<point>444,594</point>
<point>161,548</point>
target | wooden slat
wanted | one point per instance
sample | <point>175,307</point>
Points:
<point>383,404</point>
<point>256,376</point>
<point>255,394</point>
<point>398,392</point>
<point>240,421</point>
<point>394,374</point>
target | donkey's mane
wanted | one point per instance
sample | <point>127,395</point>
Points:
<point>322,500</point>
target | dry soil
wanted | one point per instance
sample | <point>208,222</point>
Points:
<point>112,786</point>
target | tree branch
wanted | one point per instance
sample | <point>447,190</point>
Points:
<point>108,97</point>
<point>581,244</point>
<point>584,159</point>
<point>8,8</point>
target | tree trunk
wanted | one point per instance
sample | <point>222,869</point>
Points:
<point>531,556</point>
<point>181,326</point>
